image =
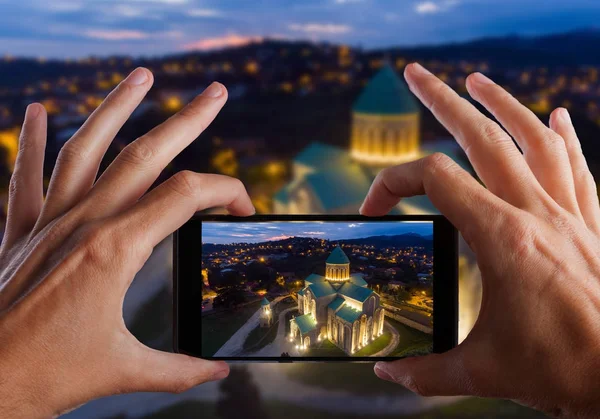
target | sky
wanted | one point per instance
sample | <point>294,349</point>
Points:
<point>76,28</point>
<point>239,232</point>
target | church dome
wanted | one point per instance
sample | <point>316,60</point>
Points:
<point>386,94</point>
<point>385,122</point>
<point>338,257</point>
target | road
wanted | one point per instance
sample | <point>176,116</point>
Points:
<point>281,343</point>
<point>235,345</point>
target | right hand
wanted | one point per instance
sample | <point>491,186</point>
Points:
<point>535,232</point>
<point>66,262</point>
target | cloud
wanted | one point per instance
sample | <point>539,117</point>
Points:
<point>430,7</point>
<point>282,237</point>
<point>128,35</point>
<point>241,235</point>
<point>319,28</point>
<point>314,233</point>
<point>348,1</point>
<point>231,40</point>
<point>355,225</point>
<point>204,13</point>
<point>115,35</point>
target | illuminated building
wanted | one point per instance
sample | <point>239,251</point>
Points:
<point>385,132</point>
<point>266,315</point>
<point>339,307</point>
<point>385,122</point>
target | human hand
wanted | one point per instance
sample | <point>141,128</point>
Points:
<point>535,233</point>
<point>67,262</point>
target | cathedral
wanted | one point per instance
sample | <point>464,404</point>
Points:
<point>338,307</point>
<point>385,132</point>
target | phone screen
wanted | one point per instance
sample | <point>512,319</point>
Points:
<point>317,289</point>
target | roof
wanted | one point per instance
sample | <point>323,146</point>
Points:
<point>386,94</point>
<point>339,186</point>
<point>306,323</point>
<point>355,292</point>
<point>337,303</point>
<point>265,302</point>
<point>348,314</point>
<point>312,278</point>
<point>321,289</point>
<point>320,156</point>
<point>301,293</point>
<point>338,257</point>
<point>357,279</point>
<point>283,195</point>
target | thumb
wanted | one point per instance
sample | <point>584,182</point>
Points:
<point>175,373</point>
<point>431,375</point>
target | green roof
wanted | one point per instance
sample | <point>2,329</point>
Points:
<point>337,303</point>
<point>355,292</point>
<point>264,302</point>
<point>320,156</point>
<point>321,289</point>
<point>313,278</point>
<point>338,257</point>
<point>348,314</point>
<point>283,195</point>
<point>386,94</point>
<point>357,279</point>
<point>340,186</point>
<point>306,323</point>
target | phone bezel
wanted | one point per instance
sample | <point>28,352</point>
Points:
<point>187,323</point>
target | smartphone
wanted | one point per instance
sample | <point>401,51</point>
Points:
<point>289,288</point>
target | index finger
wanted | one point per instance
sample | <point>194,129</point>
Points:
<point>455,193</point>
<point>171,204</point>
<point>493,154</point>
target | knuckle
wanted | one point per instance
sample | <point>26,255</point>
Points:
<point>138,152</point>
<point>99,245</point>
<point>522,236</point>
<point>492,133</point>
<point>436,163</point>
<point>184,183</point>
<point>71,152</point>
<point>191,111</point>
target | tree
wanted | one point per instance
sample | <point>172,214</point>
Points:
<point>240,397</point>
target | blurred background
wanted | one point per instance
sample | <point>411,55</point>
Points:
<point>303,128</point>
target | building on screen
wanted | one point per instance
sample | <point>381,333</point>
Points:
<point>339,307</point>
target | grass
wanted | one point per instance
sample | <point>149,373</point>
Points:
<point>377,345</point>
<point>412,341</point>
<point>218,327</point>
<point>466,409</point>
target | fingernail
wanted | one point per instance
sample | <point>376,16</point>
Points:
<point>214,90</point>
<point>382,373</point>
<point>32,111</point>
<point>565,116</point>
<point>137,77</point>
<point>481,79</point>
<point>220,374</point>
<point>419,69</point>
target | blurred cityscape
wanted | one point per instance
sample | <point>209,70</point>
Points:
<point>285,97</point>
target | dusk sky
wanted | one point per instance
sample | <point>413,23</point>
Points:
<point>225,233</point>
<point>60,28</point>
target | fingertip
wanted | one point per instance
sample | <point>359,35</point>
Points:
<point>382,371</point>
<point>221,370</point>
<point>34,110</point>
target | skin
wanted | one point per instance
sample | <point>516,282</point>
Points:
<point>66,261</point>
<point>534,228</point>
